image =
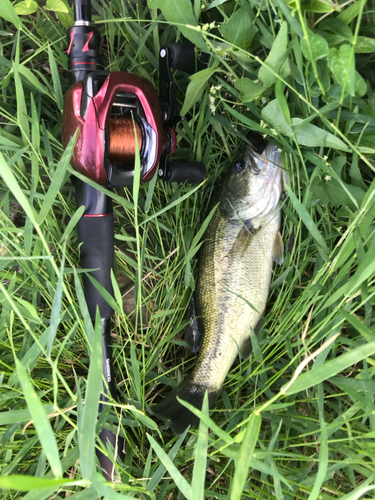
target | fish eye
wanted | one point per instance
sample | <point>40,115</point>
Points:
<point>240,166</point>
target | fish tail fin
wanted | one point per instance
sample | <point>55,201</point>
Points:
<point>178,416</point>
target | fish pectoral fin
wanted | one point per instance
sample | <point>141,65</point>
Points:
<point>244,237</point>
<point>193,332</point>
<point>247,346</point>
<point>278,249</point>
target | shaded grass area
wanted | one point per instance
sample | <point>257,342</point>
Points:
<point>296,420</point>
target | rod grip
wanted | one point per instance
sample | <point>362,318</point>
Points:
<point>96,233</point>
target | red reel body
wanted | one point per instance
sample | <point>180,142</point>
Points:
<point>89,106</point>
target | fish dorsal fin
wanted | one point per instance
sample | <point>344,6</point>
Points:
<point>278,249</point>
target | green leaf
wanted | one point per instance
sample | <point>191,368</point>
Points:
<point>337,192</point>
<point>360,85</point>
<point>341,63</point>
<point>56,6</point>
<point>331,368</point>
<point>200,458</point>
<point>293,22</point>
<point>176,475</point>
<point>94,387</point>
<point>364,45</point>
<point>238,30</point>
<point>305,134</point>
<point>317,44</point>
<point>309,223</point>
<point>8,12</point>
<point>348,14</point>
<point>275,58</point>
<point>273,115</point>
<point>249,90</point>
<point>26,7</point>
<point>338,27</point>
<point>245,456</point>
<point>313,136</point>
<point>181,13</point>
<point>318,6</point>
<point>196,87</point>
<point>41,422</point>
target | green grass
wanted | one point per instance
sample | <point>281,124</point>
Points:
<point>300,413</point>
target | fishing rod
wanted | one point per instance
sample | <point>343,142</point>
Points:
<point>109,109</point>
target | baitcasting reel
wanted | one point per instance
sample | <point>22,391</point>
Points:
<point>117,112</point>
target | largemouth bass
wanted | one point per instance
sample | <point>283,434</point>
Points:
<point>234,274</point>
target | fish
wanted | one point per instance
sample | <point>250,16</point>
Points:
<point>235,266</point>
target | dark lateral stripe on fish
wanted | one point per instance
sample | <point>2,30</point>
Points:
<point>178,416</point>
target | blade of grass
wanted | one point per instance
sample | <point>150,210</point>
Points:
<point>108,492</point>
<point>41,422</point>
<point>56,80</point>
<point>11,182</point>
<point>200,461</point>
<point>177,477</point>
<point>330,368</point>
<point>26,483</point>
<point>245,455</point>
<point>309,223</point>
<point>91,405</point>
<point>158,474</point>
<point>323,451</point>
<point>56,308</point>
<point>89,330</point>
<point>72,223</point>
<point>57,179</point>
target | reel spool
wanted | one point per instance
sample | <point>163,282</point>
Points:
<point>122,140</point>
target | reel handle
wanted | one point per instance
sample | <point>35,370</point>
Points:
<point>193,172</point>
<point>184,58</point>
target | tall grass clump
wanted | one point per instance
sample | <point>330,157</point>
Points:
<point>297,419</point>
